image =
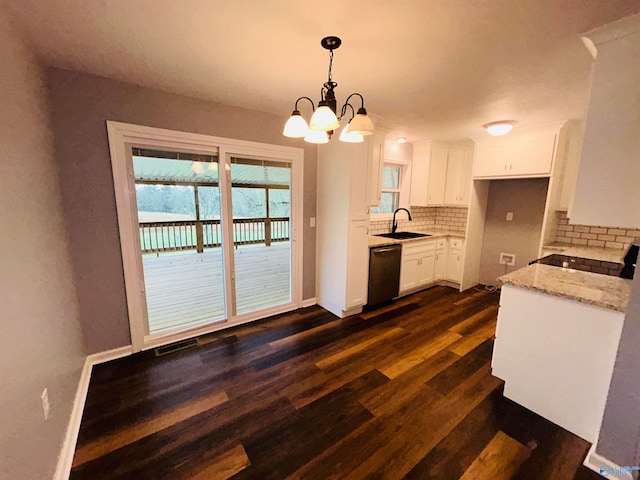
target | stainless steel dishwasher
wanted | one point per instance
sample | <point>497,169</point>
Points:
<point>384,273</point>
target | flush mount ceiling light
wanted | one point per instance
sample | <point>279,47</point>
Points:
<point>401,140</point>
<point>324,119</point>
<point>500,128</point>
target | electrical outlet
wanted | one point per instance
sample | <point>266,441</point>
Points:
<point>45,403</point>
<point>508,259</point>
<point>509,216</point>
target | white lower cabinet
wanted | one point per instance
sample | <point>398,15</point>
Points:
<point>440,269</point>
<point>357,264</point>
<point>556,357</point>
<point>418,265</point>
<point>425,262</point>
<point>454,260</point>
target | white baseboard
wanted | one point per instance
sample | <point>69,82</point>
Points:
<point>609,469</point>
<point>309,302</point>
<point>65,460</point>
<point>109,355</point>
<point>63,468</point>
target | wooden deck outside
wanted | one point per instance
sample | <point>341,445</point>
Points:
<point>187,289</point>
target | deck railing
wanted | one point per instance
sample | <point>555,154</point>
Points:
<point>156,237</point>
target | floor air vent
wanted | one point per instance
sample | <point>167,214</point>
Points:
<point>174,347</point>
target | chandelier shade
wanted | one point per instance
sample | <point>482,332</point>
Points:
<point>350,137</point>
<point>361,123</point>
<point>326,118</point>
<point>296,126</point>
<point>316,136</point>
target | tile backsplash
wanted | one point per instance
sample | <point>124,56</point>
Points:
<point>606,237</point>
<point>424,218</point>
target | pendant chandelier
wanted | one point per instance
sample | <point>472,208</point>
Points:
<point>325,119</point>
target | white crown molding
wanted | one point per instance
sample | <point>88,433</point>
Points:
<point>611,31</point>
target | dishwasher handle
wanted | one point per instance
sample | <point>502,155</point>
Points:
<point>384,250</point>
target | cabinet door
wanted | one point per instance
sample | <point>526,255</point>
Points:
<point>359,162</point>
<point>420,174</point>
<point>454,265</point>
<point>533,155</point>
<point>466,178</point>
<point>437,174</point>
<point>409,272</point>
<point>376,163</point>
<point>492,160</point>
<point>357,264</point>
<point>606,191</point>
<point>455,166</point>
<point>426,267</point>
<point>440,267</point>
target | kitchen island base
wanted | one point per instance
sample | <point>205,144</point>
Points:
<point>556,357</point>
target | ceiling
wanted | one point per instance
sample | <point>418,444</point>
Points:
<point>430,69</point>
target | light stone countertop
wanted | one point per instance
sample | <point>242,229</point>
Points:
<point>602,291</point>
<point>375,241</point>
<point>596,253</point>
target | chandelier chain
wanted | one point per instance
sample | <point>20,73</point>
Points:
<point>330,64</point>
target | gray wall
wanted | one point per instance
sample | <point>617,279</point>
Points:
<point>80,106</point>
<point>619,438</point>
<point>41,342</point>
<point>526,199</point>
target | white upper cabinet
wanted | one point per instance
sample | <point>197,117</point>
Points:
<point>441,174</point>
<point>492,159</point>
<point>420,173</point>
<point>455,166</point>
<point>458,180</point>
<point>527,153</point>
<point>437,174</point>
<point>606,191</point>
<point>365,161</point>
<point>375,146</point>
<point>534,154</point>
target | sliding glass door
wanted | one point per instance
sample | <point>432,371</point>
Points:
<point>261,205</point>
<point>181,247</point>
<point>200,266</point>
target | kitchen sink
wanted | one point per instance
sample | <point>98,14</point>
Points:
<point>403,235</point>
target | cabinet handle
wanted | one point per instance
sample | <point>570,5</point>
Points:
<point>505,166</point>
<point>510,165</point>
<point>366,231</point>
<point>368,210</point>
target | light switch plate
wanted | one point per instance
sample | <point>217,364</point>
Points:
<point>46,408</point>
<point>509,216</point>
<point>508,259</point>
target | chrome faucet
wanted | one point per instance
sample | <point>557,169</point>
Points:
<point>395,224</point>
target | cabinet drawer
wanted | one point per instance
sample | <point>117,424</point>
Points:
<point>441,243</point>
<point>456,243</point>
<point>409,248</point>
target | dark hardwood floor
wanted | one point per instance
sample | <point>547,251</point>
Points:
<point>404,391</point>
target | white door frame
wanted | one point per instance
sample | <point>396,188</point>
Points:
<point>121,137</point>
